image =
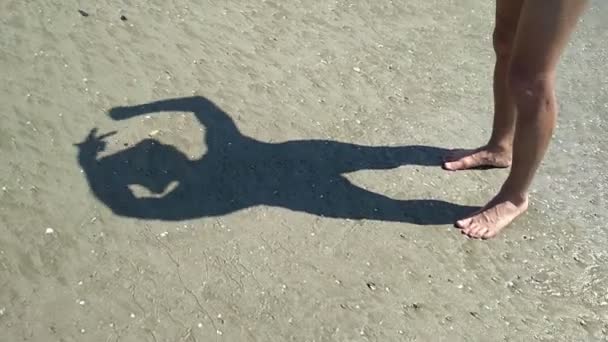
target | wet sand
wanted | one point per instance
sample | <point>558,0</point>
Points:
<point>301,143</point>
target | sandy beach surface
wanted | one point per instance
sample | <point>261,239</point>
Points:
<point>267,171</point>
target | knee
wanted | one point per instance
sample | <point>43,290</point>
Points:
<point>502,39</point>
<point>531,89</point>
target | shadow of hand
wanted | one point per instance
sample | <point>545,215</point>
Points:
<point>94,143</point>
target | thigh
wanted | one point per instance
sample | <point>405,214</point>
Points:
<point>542,33</point>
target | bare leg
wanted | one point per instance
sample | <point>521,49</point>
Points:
<point>497,153</point>
<point>543,31</point>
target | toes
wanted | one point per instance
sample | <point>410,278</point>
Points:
<point>473,231</point>
<point>481,232</point>
<point>489,233</point>
<point>461,164</point>
<point>468,225</point>
<point>464,223</point>
<point>448,166</point>
<point>469,233</point>
<point>453,166</point>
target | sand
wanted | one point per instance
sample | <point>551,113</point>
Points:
<point>302,201</point>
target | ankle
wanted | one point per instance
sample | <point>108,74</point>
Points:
<point>519,198</point>
<point>500,147</point>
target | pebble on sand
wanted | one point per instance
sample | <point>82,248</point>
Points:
<point>49,231</point>
<point>83,13</point>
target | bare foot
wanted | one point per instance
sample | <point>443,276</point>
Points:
<point>482,157</point>
<point>492,218</point>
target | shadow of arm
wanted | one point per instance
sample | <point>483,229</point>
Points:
<point>219,126</point>
<point>184,104</point>
<point>205,111</point>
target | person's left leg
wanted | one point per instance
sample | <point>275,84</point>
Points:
<point>543,31</point>
<point>497,152</point>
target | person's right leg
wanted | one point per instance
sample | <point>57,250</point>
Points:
<point>497,153</point>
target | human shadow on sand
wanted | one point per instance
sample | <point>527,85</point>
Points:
<point>239,172</point>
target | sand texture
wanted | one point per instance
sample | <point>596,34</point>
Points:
<point>268,171</point>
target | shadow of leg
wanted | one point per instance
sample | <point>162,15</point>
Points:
<point>342,199</point>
